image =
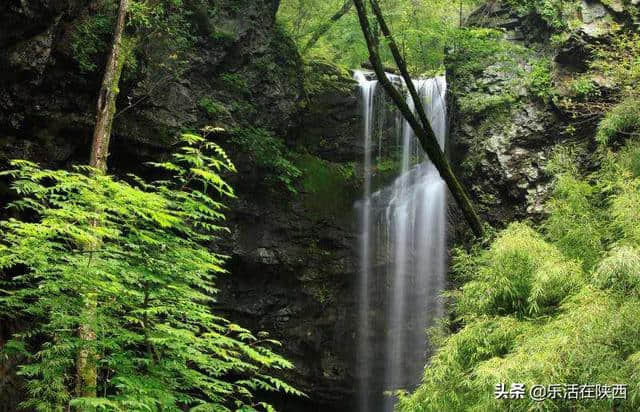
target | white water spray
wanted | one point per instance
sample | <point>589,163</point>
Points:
<point>403,248</point>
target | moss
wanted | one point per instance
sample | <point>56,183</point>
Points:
<point>213,107</point>
<point>329,188</point>
<point>235,82</point>
<point>324,77</point>
<point>479,103</point>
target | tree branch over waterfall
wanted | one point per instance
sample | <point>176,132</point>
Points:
<point>402,67</point>
<point>423,131</point>
<point>326,26</point>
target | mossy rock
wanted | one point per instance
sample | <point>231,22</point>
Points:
<point>329,189</point>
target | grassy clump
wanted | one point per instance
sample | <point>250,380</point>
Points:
<point>623,119</point>
<point>521,275</point>
<point>557,307</point>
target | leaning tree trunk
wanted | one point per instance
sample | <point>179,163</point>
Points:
<point>326,26</point>
<point>86,362</point>
<point>402,66</point>
<point>108,94</point>
<point>423,131</point>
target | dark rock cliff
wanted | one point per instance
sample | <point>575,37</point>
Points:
<point>292,263</point>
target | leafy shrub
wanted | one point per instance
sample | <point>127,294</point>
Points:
<point>553,12</point>
<point>91,36</point>
<point>583,87</point>
<point>540,81</point>
<point>629,157</point>
<point>521,275</point>
<point>475,49</point>
<point>625,211</point>
<point>213,107</point>
<point>269,153</point>
<point>574,224</point>
<point>132,263</point>
<point>167,20</point>
<point>620,271</point>
<point>623,119</point>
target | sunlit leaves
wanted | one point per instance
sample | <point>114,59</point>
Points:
<point>561,307</point>
<point>141,250</point>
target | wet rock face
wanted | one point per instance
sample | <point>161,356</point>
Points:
<point>293,275</point>
<point>508,179</point>
<point>22,20</point>
<point>46,102</point>
<point>293,257</point>
<point>501,152</point>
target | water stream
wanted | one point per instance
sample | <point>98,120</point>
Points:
<point>402,244</point>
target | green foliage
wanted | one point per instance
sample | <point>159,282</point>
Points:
<point>91,36</point>
<point>213,107</point>
<point>521,275</point>
<point>235,82</point>
<point>269,153</point>
<point>629,158</point>
<point>554,12</point>
<point>611,79</point>
<point>555,309</point>
<point>623,119</point>
<point>540,81</point>
<point>583,87</point>
<point>478,103</point>
<point>324,77</point>
<point>574,224</point>
<point>620,271</point>
<point>619,61</point>
<point>161,30</point>
<point>421,29</point>
<point>140,253</point>
<point>474,49</point>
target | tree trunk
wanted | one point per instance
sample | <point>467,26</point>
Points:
<point>86,362</point>
<point>388,69</point>
<point>325,27</point>
<point>424,133</point>
<point>108,94</point>
<point>402,67</point>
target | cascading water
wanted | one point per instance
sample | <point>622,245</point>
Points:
<point>402,245</point>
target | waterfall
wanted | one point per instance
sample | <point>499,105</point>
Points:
<point>402,245</point>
